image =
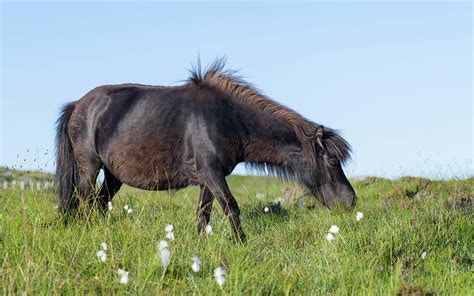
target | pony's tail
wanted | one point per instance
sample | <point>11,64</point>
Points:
<point>66,171</point>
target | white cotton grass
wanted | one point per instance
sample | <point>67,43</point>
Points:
<point>330,237</point>
<point>123,276</point>
<point>196,266</point>
<point>423,255</point>
<point>169,228</point>
<point>164,252</point>
<point>266,209</point>
<point>170,235</point>
<point>101,254</point>
<point>219,274</point>
<point>259,196</point>
<point>208,229</point>
<point>334,229</point>
<point>128,209</point>
<point>109,206</point>
<point>359,216</point>
<point>169,232</point>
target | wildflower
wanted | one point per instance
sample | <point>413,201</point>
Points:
<point>109,205</point>
<point>196,266</point>
<point>101,255</point>
<point>359,216</point>
<point>219,273</point>
<point>259,196</point>
<point>423,255</point>
<point>170,235</point>
<point>330,237</point>
<point>104,246</point>
<point>333,229</point>
<point>123,276</point>
<point>56,207</point>
<point>169,228</point>
<point>266,209</point>
<point>164,253</point>
<point>128,209</point>
<point>208,229</point>
<point>169,232</point>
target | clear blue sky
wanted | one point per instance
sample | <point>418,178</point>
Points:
<point>395,78</point>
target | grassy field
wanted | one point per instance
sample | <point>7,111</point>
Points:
<point>286,253</point>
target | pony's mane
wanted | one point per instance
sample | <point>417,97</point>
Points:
<point>228,82</point>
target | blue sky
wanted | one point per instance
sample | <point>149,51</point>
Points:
<point>395,78</point>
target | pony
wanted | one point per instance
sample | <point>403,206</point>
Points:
<point>171,137</point>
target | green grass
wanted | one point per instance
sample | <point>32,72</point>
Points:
<point>286,252</point>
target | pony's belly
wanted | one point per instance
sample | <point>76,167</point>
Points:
<point>145,175</point>
<point>160,185</point>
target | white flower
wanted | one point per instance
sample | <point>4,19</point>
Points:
<point>334,229</point>
<point>123,276</point>
<point>56,207</point>
<point>162,245</point>
<point>359,216</point>
<point>128,209</point>
<point>164,253</point>
<point>104,246</point>
<point>266,209</point>
<point>101,255</point>
<point>208,229</point>
<point>196,266</point>
<point>219,273</point>
<point>169,228</point>
<point>259,196</point>
<point>330,237</point>
<point>109,205</point>
<point>170,235</point>
<point>423,255</point>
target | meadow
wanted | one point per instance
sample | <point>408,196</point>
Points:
<point>415,238</point>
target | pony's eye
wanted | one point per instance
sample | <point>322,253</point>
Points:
<point>332,162</point>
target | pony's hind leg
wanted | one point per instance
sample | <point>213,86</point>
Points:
<point>204,208</point>
<point>88,171</point>
<point>109,188</point>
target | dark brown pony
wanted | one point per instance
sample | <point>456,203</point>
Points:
<point>160,138</point>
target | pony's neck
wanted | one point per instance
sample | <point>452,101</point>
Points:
<point>272,142</point>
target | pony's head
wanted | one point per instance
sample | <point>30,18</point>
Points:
<point>325,178</point>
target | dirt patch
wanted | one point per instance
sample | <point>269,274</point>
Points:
<point>409,187</point>
<point>461,201</point>
<point>367,181</point>
<point>412,290</point>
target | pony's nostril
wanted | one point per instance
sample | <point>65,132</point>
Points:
<point>349,201</point>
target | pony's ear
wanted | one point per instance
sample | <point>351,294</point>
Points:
<point>319,135</point>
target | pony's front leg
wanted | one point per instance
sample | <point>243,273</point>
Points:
<point>204,208</point>
<point>219,188</point>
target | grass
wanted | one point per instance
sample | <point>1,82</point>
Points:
<point>286,252</point>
